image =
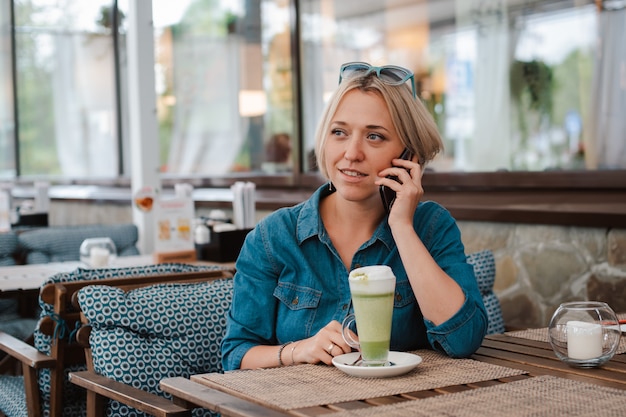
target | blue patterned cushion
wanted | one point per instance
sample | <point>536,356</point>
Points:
<point>8,248</point>
<point>485,270</point>
<point>151,333</point>
<point>12,397</point>
<point>62,243</point>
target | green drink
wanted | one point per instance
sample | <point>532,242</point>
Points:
<point>373,323</point>
<point>372,289</point>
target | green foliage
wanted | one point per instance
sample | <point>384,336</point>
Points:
<point>106,17</point>
<point>535,80</point>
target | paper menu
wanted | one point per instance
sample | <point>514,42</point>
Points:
<point>244,204</point>
<point>173,222</point>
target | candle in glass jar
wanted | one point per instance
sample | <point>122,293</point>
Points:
<point>584,340</point>
<point>99,257</point>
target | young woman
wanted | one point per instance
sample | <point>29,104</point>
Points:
<point>291,288</point>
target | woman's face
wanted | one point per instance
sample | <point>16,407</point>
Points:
<point>361,142</point>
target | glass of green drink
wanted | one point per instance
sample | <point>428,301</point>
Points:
<point>372,289</point>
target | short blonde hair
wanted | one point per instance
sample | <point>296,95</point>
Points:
<point>409,116</point>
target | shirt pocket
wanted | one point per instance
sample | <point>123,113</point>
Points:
<point>297,297</point>
<point>297,310</point>
<point>404,295</point>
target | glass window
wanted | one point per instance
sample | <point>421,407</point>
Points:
<point>517,86</point>
<point>224,86</point>
<point>7,117</point>
<point>66,89</point>
<point>509,85</point>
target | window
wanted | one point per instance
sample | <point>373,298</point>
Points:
<point>65,89</point>
<point>515,86</point>
<point>224,86</point>
<point>508,84</point>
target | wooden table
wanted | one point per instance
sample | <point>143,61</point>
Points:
<point>23,282</point>
<point>31,277</point>
<point>535,360</point>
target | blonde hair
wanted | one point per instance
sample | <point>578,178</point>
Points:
<point>409,116</point>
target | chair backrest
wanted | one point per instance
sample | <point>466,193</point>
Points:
<point>8,248</point>
<point>62,243</point>
<point>54,335</point>
<point>484,264</point>
<point>139,336</point>
<point>11,321</point>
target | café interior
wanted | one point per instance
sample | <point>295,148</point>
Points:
<point>116,115</point>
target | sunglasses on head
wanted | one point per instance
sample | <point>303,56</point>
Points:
<point>389,74</point>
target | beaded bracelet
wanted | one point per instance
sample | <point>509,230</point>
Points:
<point>280,351</point>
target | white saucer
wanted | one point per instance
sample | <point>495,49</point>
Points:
<point>402,363</point>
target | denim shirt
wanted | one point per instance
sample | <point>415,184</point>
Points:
<point>291,282</point>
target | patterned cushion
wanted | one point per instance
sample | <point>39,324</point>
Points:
<point>12,397</point>
<point>62,243</point>
<point>8,248</point>
<point>151,333</point>
<point>73,395</point>
<point>485,270</point>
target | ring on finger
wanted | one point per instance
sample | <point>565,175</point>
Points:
<point>329,350</point>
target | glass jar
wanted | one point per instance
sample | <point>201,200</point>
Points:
<point>584,334</point>
<point>98,252</point>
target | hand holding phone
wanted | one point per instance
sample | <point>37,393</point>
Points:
<point>387,194</point>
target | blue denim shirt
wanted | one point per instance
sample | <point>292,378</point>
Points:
<point>291,282</point>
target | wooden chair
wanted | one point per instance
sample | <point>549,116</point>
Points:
<point>183,323</point>
<point>43,384</point>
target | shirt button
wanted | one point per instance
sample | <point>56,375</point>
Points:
<point>357,266</point>
<point>344,307</point>
<point>398,297</point>
<point>295,301</point>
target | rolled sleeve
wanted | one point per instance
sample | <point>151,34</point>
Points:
<point>462,334</point>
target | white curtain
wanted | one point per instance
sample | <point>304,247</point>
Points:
<point>208,132</point>
<point>606,148</point>
<point>489,147</point>
<point>84,121</point>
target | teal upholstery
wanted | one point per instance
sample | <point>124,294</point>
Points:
<point>62,243</point>
<point>147,334</point>
<point>8,248</point>
<point>10,320</point>
<point>485,270</point>
<point>12,397</point>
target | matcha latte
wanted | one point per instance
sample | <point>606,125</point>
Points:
<point>372,289</point>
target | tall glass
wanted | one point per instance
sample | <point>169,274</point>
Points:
<point>372,289</point>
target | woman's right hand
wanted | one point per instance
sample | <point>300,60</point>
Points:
<point>322,347</point>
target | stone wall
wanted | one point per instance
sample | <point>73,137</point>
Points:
<point>538,266</point>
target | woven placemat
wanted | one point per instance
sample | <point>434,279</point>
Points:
<point>310,385</point>
<point>542,396</point>
<point>541,335</point>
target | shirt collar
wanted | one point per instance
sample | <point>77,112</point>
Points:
<point>310,222</point>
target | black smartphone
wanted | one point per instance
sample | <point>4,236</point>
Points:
<point>387,194</point>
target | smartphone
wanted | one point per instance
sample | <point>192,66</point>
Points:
<point>387,194</point>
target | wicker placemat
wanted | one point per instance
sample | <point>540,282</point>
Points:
<point>542,396</point>
<point>541,335</point>
<point>310,385</point>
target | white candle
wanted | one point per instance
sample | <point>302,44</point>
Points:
<point>99,257</point>
<point>584,340</point>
